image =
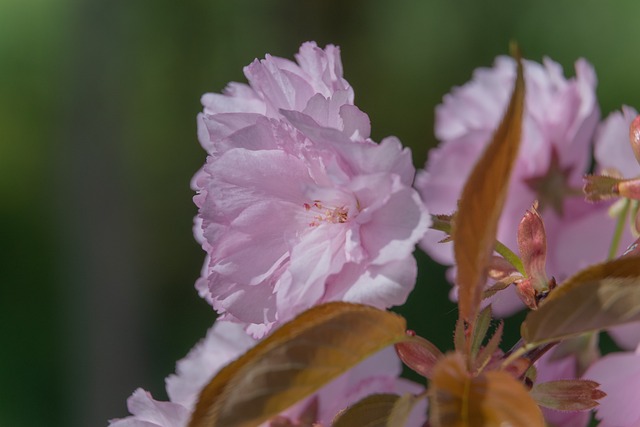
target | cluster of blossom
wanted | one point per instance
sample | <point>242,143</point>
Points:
<point>298,207</point>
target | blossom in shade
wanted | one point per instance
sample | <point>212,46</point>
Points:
<point>612,149</point>
<point>558,125</point>
<point>619,377</point>
<point>614,155</point>
<point>297,206</point>
<point>224,342</point>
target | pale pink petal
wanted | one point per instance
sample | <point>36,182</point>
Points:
<point>388,234</point>
<point>281,88</point>
<point>224,342</point>
<point>379,286</point>
<point>147,412</point>
<point>324,68</point>
<point>317,256</point>
<point>236,98</point>
<point>619,376</point>
<point>626,336</point>
<point>613,149</point>
<point>356,123</point>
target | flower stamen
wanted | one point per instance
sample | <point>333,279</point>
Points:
<point>332,215</point>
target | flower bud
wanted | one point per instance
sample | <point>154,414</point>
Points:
<point>532,243</point>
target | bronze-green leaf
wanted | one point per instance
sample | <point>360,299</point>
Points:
<point>494,399</point>
<point>481,203</point>
<point>598,297</point>
<point>378,410</point>
<point>295,361</point>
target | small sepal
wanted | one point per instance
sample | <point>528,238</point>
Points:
<point>568,395</point>
<point>600,187</point>
<point>418,354</point>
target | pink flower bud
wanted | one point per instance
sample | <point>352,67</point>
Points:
<point>532,243</point>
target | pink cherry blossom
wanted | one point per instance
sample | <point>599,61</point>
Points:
<point>559,121</point>
<point>296,205</point>
<point>619,377</point>
<point>226,341</point>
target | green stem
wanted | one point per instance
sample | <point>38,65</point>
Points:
<point>617,234</point>
<point>511,257</point>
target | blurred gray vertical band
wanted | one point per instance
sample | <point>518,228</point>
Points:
<point>104,318</point>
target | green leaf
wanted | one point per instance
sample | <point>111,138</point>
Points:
<point>481,203</point>
<point>568,395</point>
<point>378,410</point>
<point>480,331</point>
<point>493,399</point>
<point>295,361</point>
<point>485,353</point>
<point>598,297</point>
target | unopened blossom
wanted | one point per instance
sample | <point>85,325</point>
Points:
<point>224,342</point>
<point>619,377</point>
<point>297,206</point>
<point>558,124</point>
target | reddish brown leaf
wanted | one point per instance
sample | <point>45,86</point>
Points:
<point>494,399</point>
<point>481,203</point>
<point>294,361</point>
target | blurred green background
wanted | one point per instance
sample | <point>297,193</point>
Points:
<point>98,143</point>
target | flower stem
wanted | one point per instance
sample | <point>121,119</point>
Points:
<point>511,257</point>
<point>617,234</point>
